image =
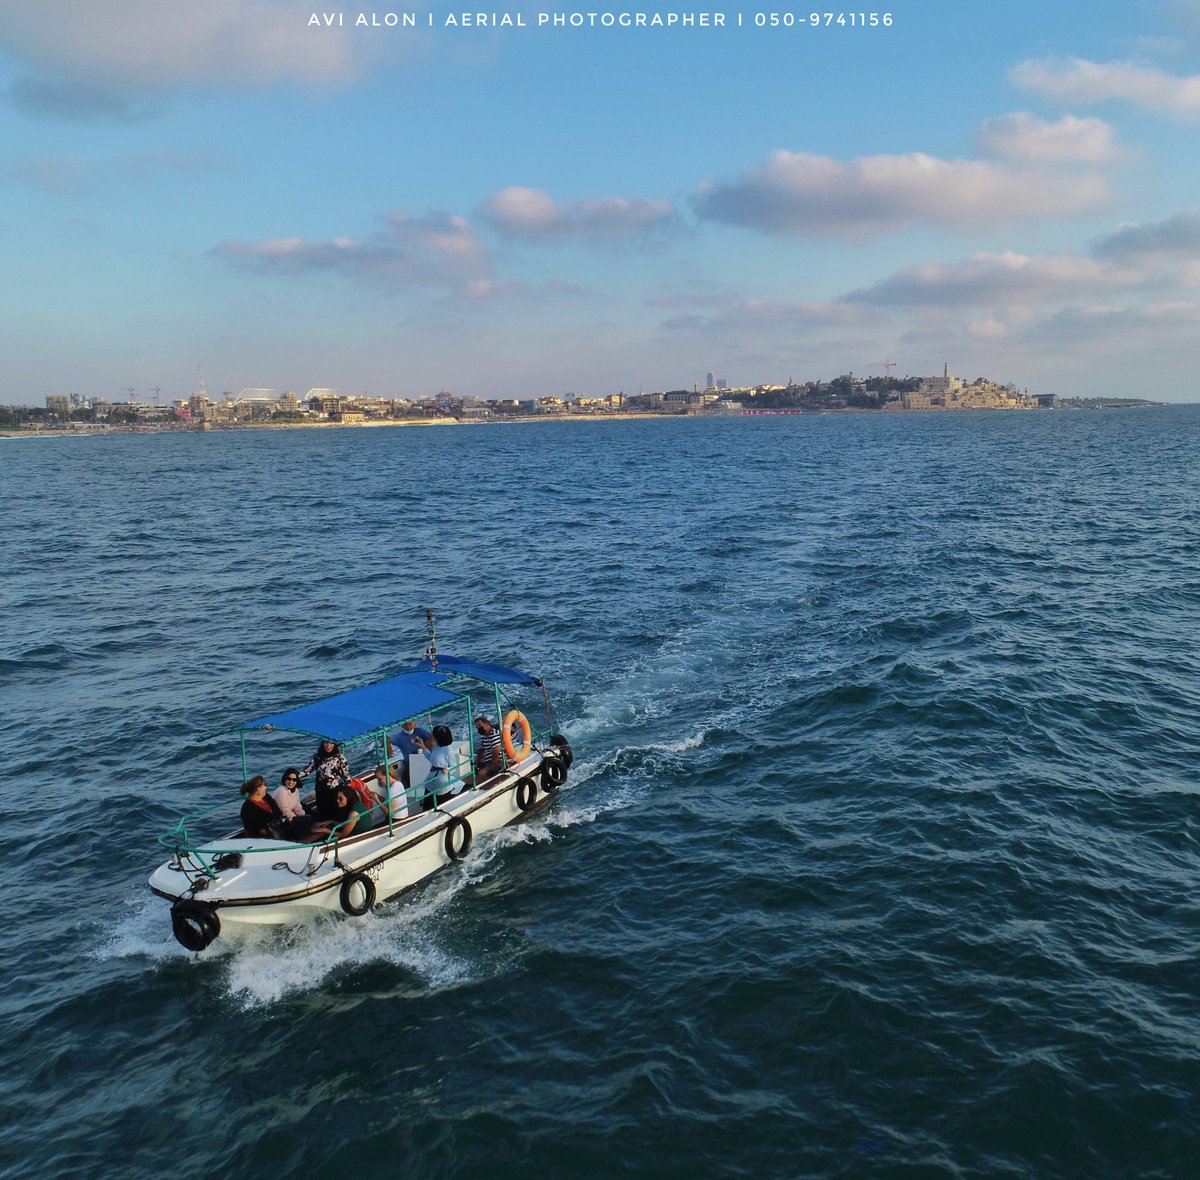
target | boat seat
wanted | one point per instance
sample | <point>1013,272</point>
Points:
<point>418,771</point>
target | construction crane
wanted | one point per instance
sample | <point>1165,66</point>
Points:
<point>156,391</point>
<point>129,390</point>
<point>886,366</point>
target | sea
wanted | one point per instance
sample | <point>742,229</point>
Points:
<point>878,857</point>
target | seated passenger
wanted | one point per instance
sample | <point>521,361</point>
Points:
<point>391,792</point>
<point>353,815</point>
<point>437,788</point>
<point>287,794</point>
<point>263,819</point>
<point>487,750</point>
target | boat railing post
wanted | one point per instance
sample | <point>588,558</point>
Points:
<point>381,758</point>
<point>500,724</point>
<point>471,732</point>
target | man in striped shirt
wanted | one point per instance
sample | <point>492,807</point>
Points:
<point>487,750</point>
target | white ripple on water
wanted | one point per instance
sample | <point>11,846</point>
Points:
<point>266,966</point>
<point>143,933</point>
<point>407,932</point>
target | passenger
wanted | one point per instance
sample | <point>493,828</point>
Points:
<point>299,825</point>
<point>287,794</point>
<point>263,818</point>
<point>487,750</point>
<point>391,793</point>
<point>332,773</point>
<point>410,740</point>
<point>437,787</point>
<point>353,815</point>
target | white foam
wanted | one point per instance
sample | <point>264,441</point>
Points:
<point>144,932</point>
<point>268,965</point>
<point>690,742</point>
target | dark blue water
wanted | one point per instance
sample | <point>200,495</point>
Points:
<point>879,855</point>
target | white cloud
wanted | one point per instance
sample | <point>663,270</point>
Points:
<point>1024,137</point>
<point>60,176</point>
<point>1142,329</point>
<point>197,161</point>
<point>78,102</point>
<point>805,194</point>
<point>485,290</point>
<point>995,279</point>
<point>439,248</point>
<point>137,45</point>
<point>529,213</point>
<point>1182,14</point>
<point>754,315</point>
<point>493,290</point>
<point>990,328</point>
<point>1176,237</point>
<point>1076,80</point>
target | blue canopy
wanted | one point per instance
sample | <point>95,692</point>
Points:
<point>489,673</point>
<point>385,704</point>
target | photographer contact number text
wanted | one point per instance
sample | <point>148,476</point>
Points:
<point>817,20</point>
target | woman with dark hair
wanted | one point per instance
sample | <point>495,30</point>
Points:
<point>441,761</point>
<point>352,814</point>
<point>287,794</point>
<point>262,817</point>
<point>332,773</point>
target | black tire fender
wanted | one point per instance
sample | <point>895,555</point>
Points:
<point>195,924</point>
<point>454,849</point>
<point>350,881</point>
<point>526,793</point>
<point>564,750</point>
<point>554,773</point>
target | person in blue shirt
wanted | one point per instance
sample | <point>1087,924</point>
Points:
<point>411,739</point>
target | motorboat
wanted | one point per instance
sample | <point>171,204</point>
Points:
<point>429,819</point>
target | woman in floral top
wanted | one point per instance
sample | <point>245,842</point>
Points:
<point>333,774</point>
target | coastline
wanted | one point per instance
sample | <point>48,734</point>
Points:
<point>537,419</point>
<point>404,422</point>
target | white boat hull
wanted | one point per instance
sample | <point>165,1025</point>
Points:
<point>271,882</point>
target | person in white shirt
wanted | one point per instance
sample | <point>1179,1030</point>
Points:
<point>442,761</point>
<point>287,794</point>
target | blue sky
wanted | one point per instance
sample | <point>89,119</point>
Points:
<point>1011,189</point>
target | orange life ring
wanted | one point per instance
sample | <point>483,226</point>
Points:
<point>513,754</point>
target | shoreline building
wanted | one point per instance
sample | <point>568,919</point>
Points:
<point>948,392</point>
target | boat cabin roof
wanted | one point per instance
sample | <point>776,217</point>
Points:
<point>385,704</point>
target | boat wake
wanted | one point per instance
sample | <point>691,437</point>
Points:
<point>267,966</point>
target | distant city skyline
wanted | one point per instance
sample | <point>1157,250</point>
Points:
<point>515,212</point>
<point>157,395</point>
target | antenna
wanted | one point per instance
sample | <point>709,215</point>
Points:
<point>431,648</point>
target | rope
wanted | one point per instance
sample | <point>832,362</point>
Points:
<point>307,871</point>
